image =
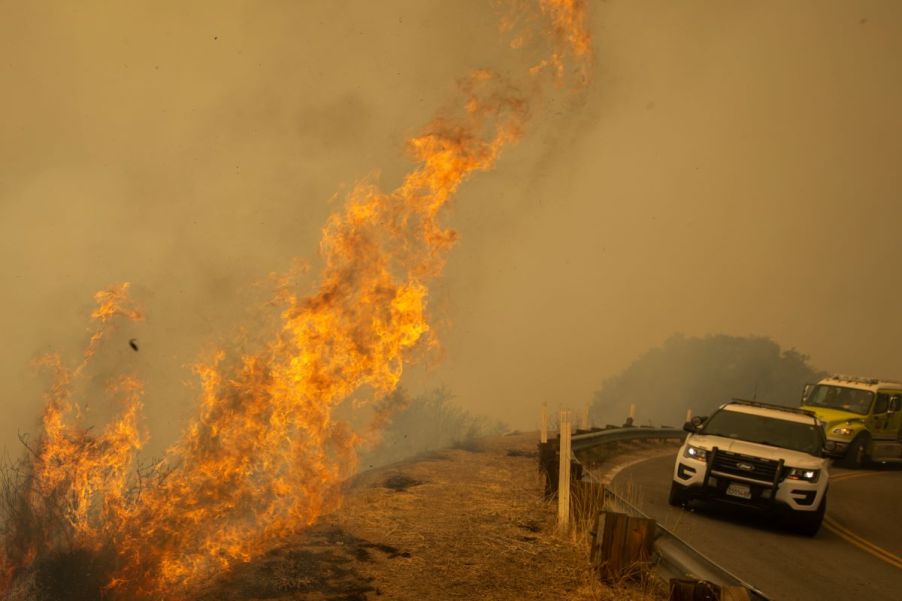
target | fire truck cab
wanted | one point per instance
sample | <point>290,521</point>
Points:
<point>862,417</point>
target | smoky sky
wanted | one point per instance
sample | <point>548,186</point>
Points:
<point>731,168</point>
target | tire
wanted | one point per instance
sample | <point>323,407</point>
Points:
<point>809,522</point>
<point>857,455</point>
<point>678,496</point>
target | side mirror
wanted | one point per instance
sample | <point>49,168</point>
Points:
<point>695,423</point>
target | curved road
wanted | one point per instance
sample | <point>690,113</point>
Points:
<point>857,555</point>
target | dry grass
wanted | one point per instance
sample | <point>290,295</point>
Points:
<point>476,528</point>
<point>456,524</point>
<point>638,583</point>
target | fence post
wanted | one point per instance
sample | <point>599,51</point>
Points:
<point>633,412</point>
<point>563,493</point>
<point>688,415</point>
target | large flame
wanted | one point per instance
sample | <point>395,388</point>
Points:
<point>264,455</point>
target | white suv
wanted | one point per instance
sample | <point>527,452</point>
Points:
<point>759,456</point>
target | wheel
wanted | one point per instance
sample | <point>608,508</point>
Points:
<point>857,455</point>
<point>809,522</point>
<point>678,496</point>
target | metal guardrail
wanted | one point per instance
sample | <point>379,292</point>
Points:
<point>676,557</point>
<point>679,559</point>
<point>591,439</point>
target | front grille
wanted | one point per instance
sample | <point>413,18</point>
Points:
<point>762,470</point>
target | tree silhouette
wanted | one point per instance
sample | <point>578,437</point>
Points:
<point>700,374</point>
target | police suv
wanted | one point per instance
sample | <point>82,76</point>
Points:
<point>756,455</point>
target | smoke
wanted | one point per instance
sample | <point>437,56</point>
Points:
<point>190,151</point>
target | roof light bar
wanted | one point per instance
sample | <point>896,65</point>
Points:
<point>856,379</point>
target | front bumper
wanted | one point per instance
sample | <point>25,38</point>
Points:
<point>697,481</point>
<point>836,447</point>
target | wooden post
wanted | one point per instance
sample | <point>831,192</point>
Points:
<point>543,433</point>
<point>693,590</point>
<point>584,421</point>
<point>563,491</point>
<point>548,466</point>
<point>702,590</point>
<point>633,411</point>
<point>688,415</point>
<point>623,545</point>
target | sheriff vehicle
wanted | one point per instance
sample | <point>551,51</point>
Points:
<point>759,456</point>
<point>862,418</point>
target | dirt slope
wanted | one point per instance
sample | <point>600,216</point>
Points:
<point>455,524</point>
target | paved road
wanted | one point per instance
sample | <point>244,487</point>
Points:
<point>857,555</point>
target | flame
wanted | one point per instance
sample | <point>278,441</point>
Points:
<point>264,456</point>
<point>76,485</point>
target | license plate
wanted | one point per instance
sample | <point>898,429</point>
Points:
<point>739,490</point>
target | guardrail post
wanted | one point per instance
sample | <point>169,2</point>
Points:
<point>702,590</point>
<point>548,467</point>
<point>563,492</point>
<point>623,545</point>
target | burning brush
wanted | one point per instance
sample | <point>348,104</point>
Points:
<point>264,456</point>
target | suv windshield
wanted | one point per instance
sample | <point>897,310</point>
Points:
<point>765,430</point>
<point>840,397</point>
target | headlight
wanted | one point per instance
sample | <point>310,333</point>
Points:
<point>797,473</point>
<point>844,431</point>
<point>695,453</point>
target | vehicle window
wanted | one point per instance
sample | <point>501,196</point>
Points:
<point>895,402</point>
<point>765,430</point>
<point>882,403</point>
<point>840,397</point>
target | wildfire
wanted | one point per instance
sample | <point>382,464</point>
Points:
<point>264,455</point>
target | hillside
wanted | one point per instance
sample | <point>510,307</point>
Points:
<point>454,524</point>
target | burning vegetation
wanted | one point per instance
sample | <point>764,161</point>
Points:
<point>264,455</point>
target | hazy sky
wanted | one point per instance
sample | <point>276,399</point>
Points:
<point>733,168</point>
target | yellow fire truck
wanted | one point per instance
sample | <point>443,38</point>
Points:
<point>862,418</point>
